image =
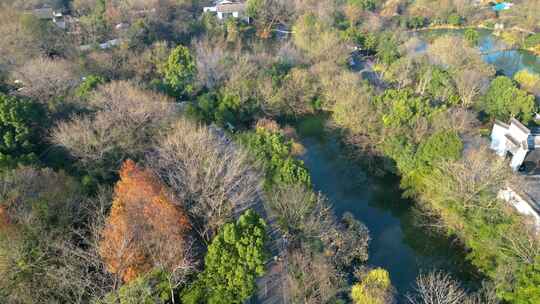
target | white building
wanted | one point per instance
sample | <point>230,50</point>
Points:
<point>513,140</point>
<point>228,8</point>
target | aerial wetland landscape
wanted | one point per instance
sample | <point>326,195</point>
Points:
<point>270,151</point>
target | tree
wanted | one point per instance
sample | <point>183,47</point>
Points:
<point>470,84</point>
<point>124,119</point>
<point>45,79</point>
<point>374,288</point>
<point>387,49</point>
<point>38,212</point>
<point>528,81</point>
<point>472,36</point>
<point>235,258</point>
<point>437,288</point>
<point>504,100</point>
<point>213,177</point>
<point>526,289</point>
<point>90,83</point>
<point>268,13</point>
<point>274,151</point>
<point>150,288</point>
<point>311,277</point>
<point>179,71</point>
<point>146,227</point>
<point>319,40</point>
<point>20,125</point>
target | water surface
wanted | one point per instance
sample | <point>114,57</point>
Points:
<point>397,244</point>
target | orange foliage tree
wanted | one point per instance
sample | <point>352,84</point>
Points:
<point>145,228</point>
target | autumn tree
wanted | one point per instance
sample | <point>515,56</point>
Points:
<point>146,227</point>
<point>235,258</point>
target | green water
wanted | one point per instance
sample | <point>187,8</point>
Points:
<point>397,244</point>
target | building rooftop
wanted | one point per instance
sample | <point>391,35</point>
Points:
<point>231,7</point>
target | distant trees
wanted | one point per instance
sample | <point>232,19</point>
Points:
<point>235,258</point>
<point>374,288</point>
<point>504,100</point>
<point>145,229</point>
<point>179,71</point>
<point>21,123</point>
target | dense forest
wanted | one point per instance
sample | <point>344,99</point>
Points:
<point>148,149</point>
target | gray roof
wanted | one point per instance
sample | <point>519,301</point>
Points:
<point>231,7</point>
<point>43,13</point>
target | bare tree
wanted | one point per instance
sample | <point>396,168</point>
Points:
<point>44,78</point>
<point>211,62</point>
<point>209,174</point>
<point>470,84</point>
<point>473,181</point>
<point>125,120</point>
<point>311,278</point>
<point>437,288</point>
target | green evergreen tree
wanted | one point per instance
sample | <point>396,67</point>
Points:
<point>20,122</point>
<point>179,71</point>
<point>234,260</point>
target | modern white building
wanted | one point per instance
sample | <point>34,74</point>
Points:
<point>522,146</point>
<point>513,140</point>
<point>228,8</point>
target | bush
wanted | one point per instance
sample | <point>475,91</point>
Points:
<point>532,40</point>
<point>454,19</point>
<point>89,84</point>
<point>152,288</point>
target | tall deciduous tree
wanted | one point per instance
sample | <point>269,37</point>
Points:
<point>235,258</point>
<point>146,227</point>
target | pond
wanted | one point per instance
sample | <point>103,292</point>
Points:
<point>397,245</point>
<point>506,62</point>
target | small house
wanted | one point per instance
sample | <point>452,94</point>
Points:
<point>228,9</point>
<point>47,13</point>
